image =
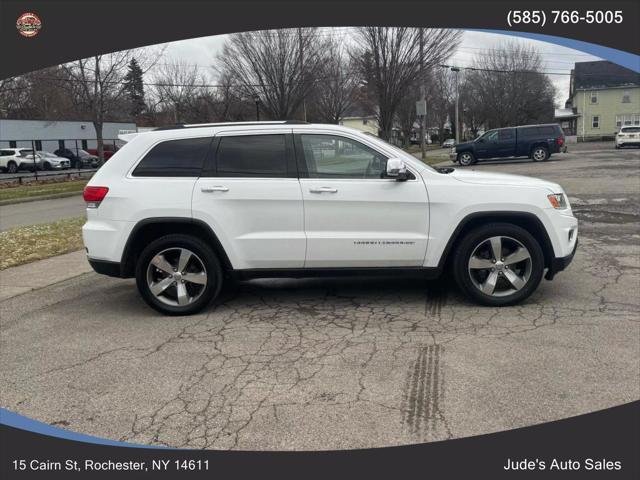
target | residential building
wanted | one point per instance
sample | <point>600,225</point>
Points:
<point>603,97</point>
<point>360,119</point>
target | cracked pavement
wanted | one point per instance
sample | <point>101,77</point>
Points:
<point>346,363</point>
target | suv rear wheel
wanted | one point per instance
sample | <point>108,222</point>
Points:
<point>12,167</point>
<point>498,264</point>
<point>178,274</point>
<point>539,154</point>
<point>466,159</point>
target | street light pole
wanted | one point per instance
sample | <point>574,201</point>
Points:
<point>423,118</point>
<point>457,70</point>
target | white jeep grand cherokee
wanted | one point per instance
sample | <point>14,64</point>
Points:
<point>182,208</point>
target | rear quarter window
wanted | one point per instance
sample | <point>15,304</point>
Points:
<point>174,158</point>
<point>528,132</point>
<point>547,131</point>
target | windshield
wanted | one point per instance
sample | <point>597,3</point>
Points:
<point>83,153</point>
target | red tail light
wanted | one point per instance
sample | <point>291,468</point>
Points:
<point>94,195</point>
<point>560,141</point>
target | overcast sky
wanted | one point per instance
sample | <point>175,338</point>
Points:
<point>202,52</point>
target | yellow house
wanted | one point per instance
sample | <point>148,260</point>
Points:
<point>359,119</point>
<point>604,97</point>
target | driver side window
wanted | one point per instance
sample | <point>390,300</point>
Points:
<point>332,156</point>
<point>491,136</point>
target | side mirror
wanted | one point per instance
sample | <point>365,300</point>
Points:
<point>397,169</point>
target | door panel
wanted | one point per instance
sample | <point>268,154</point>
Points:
<point>365,223</point>
<point>254,209</point>
<point>487,146</point>
<point>506,142</point>
<point>353,217</point>
<point>259,221</point>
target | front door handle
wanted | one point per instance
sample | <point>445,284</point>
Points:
<point>215,188</point>
<point>323,190</point>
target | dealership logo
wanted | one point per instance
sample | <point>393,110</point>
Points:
<point>28,24</point>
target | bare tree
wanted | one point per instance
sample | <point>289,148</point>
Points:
<point>391,60</point>
<point>277,67</point>
<point>14,97</point>
<point>441,98</point>
<point>510,87</point>
<point>37,95</point>
<point>406,114</point>
<point>179,86</point>
<point>229,104</point>
<point>97,88</point>
<point>336,89</point>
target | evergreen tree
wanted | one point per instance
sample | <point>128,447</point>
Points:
<point>134,88</point>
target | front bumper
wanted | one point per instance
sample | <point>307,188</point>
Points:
<point>558,264</point>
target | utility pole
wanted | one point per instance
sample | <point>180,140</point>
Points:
<point>457,70</point>
<point>302,79</point>
<point>423,117</point>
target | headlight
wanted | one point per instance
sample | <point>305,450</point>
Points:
<point>557,200</point>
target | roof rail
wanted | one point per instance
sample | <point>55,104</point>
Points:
<point>231,124</point>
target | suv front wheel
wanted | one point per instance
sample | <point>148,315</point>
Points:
<point>178,274</point>
<point>498,264</point>
<point>466,158</point>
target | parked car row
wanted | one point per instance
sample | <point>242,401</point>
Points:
<point>14,159</point>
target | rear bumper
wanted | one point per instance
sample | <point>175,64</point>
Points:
<point>628,143</point>
<point>104,267</point>
<point>558,264</point>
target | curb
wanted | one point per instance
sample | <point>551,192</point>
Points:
<point>53,196</point>
<point>21,279</point>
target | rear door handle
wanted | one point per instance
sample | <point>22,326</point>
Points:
<point>323,190</point>
<point>215,188</point>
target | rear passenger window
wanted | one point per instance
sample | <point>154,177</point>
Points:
<point>506,134</point>
<point>546,131</point>
<point>252,156</point>
<point>174,158</point>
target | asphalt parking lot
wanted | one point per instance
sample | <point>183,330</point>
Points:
<point>332,364</point>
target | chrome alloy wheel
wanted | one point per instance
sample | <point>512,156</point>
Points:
<point>539,154</point>
<point>500,266</point>
<point>176,276</point>
<point>466,159</point>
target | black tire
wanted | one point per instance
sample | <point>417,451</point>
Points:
<point>46,166</point>
<point>466,159</point>
<point>202,251</point>
<point>471,240</point>
<point>540,154</point>
<point>12,167</point>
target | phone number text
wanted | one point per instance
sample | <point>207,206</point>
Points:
<point>540,17</point>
